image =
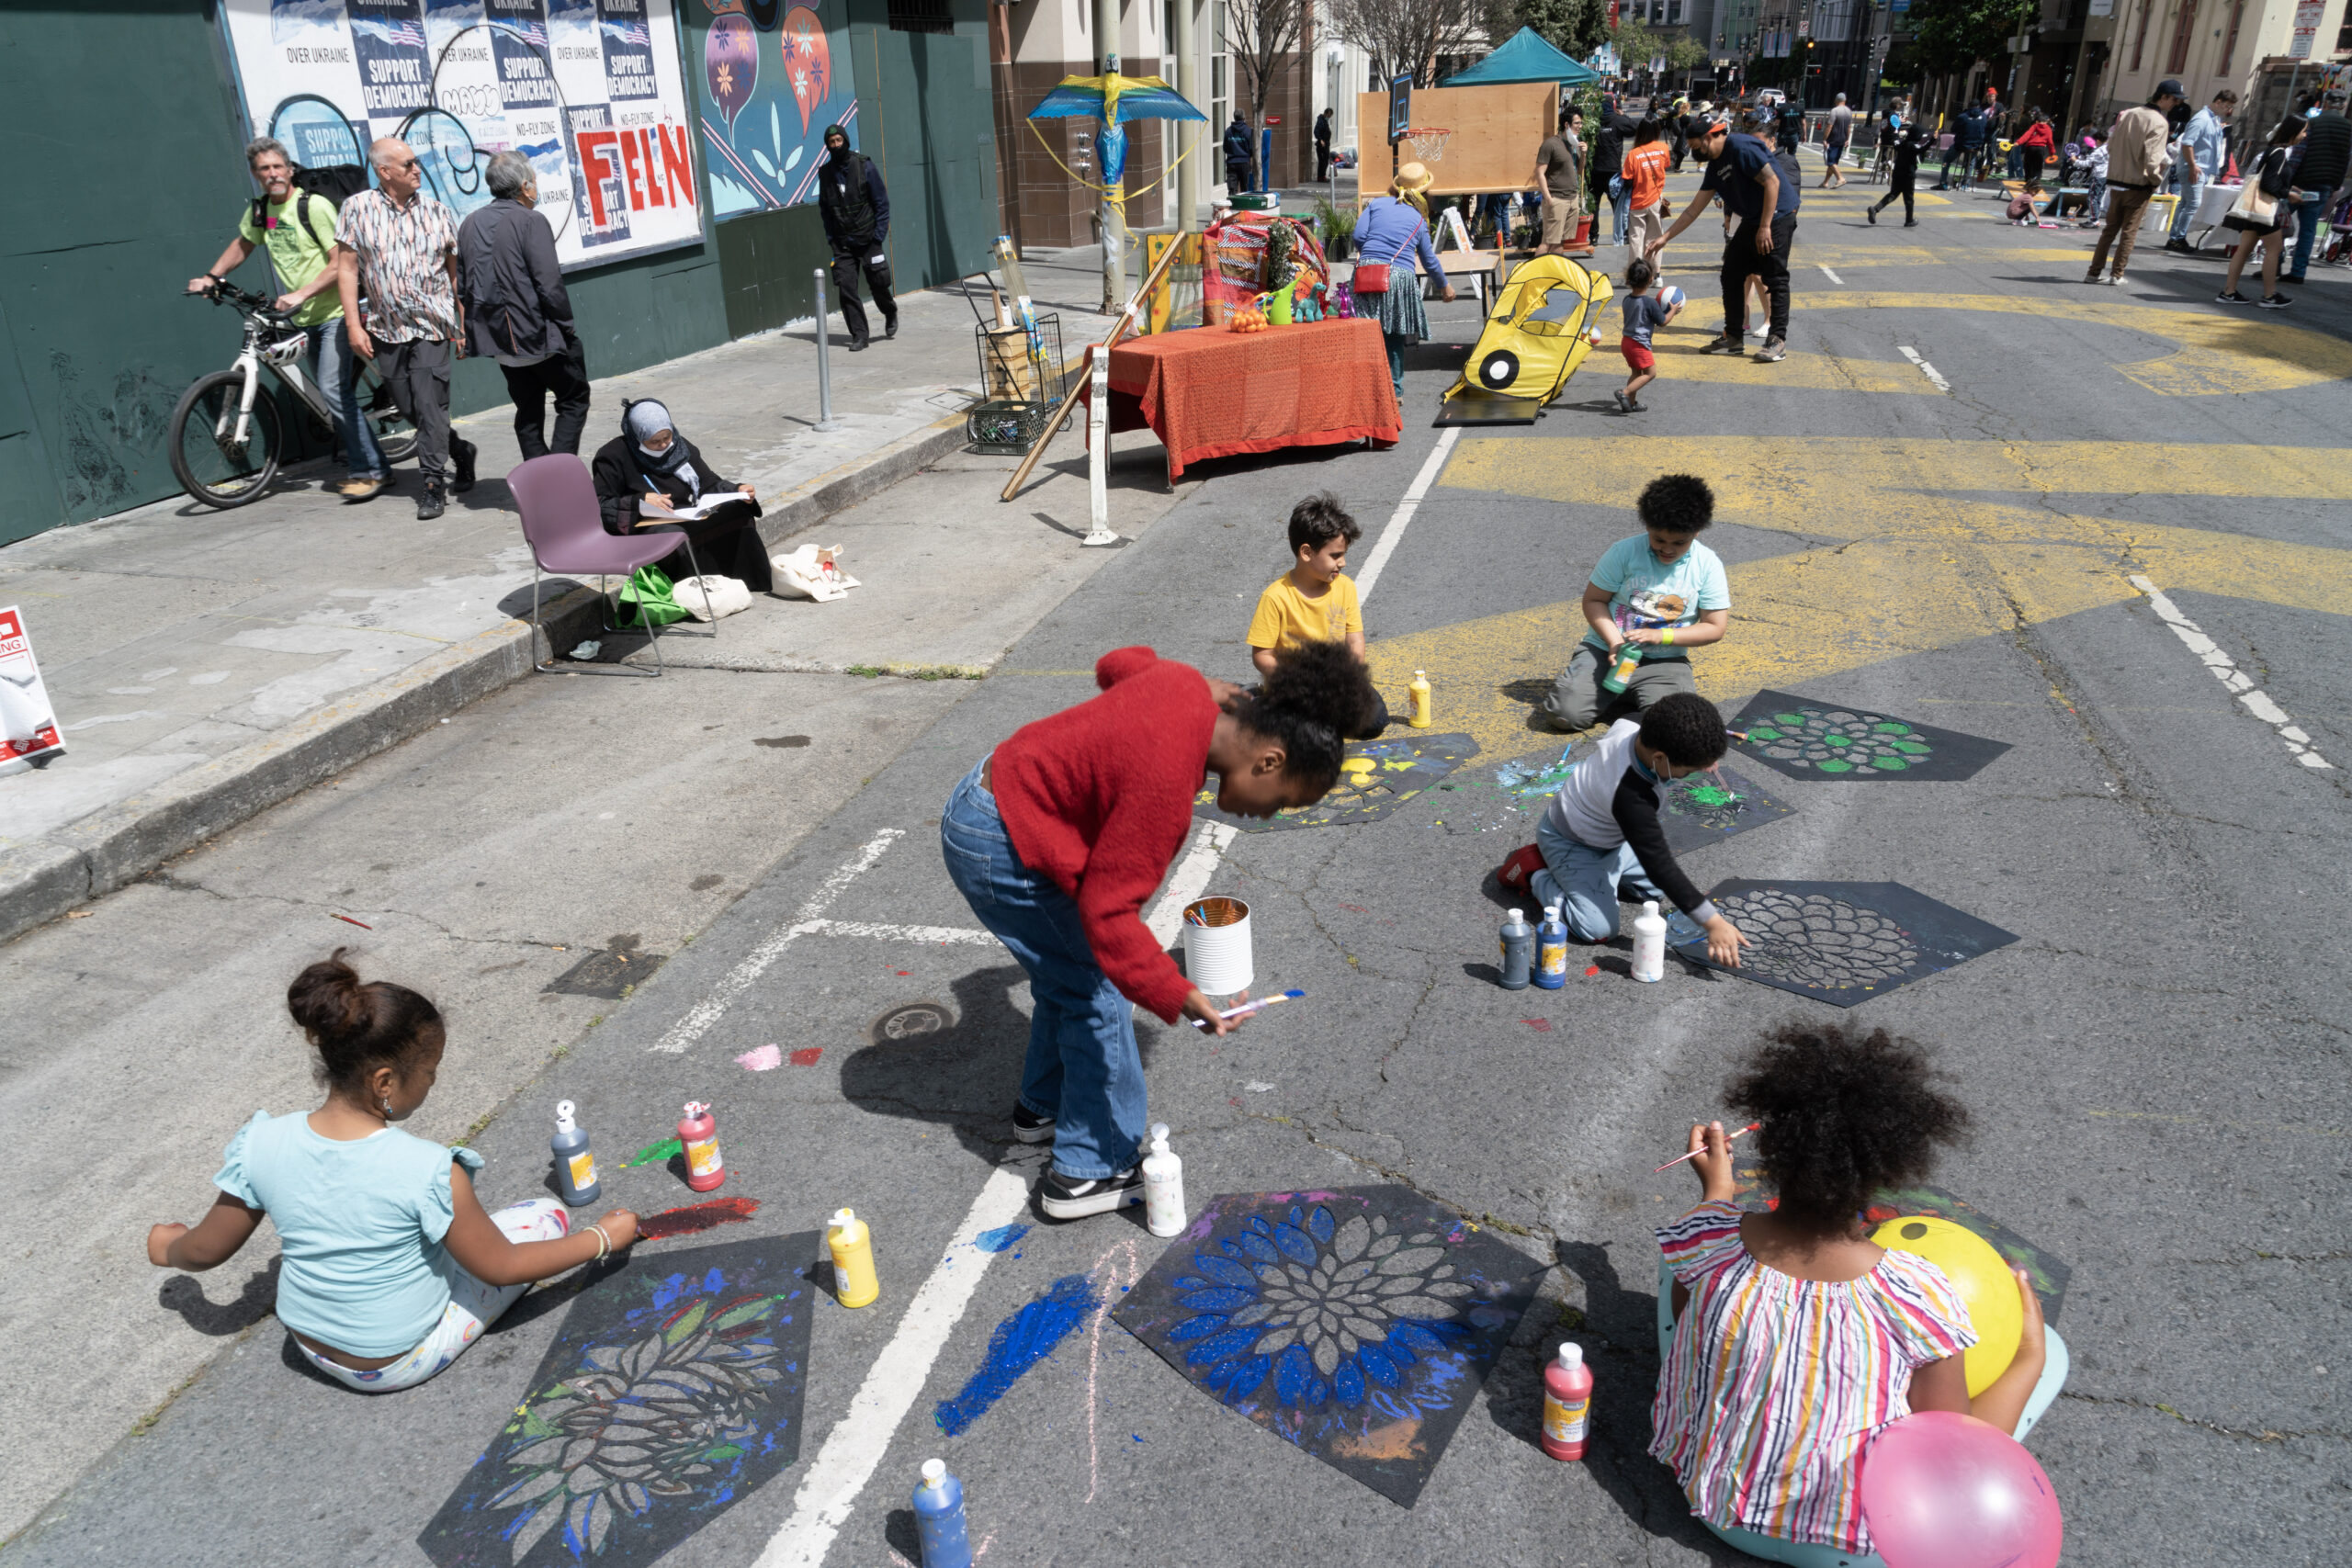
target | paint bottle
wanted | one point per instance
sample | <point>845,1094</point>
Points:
<point>851,1245</point>
<point>1519,952</point>
<point>1621,674</point>
<point>1568,1405</point>
<point>575,1168</point>
<point>698,1134</point>
<point>939,1517</point>
<point>1649,943</point>
<point>1163,1186</point>
<point>1418,691</point>
<point>1551,950</point>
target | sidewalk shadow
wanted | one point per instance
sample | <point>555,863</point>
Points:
<point>184,1295</point>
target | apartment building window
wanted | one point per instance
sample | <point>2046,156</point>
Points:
<point>2182,33</point>
<point>920,16</point>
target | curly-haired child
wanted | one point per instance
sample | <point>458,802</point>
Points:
<point>392,1267</point>
<point>1791,1339</point>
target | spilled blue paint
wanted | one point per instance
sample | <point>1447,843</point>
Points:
<point>999,1239</point>
<point>1020,1342</point>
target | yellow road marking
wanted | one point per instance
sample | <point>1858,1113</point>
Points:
<point>1924,566</point>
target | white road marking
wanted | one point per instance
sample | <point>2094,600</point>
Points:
<point>1831,275</point>
<point>953,936</point>
<point>1399,519</point>
<point>859,1439</point>
<point>712,1007</point>
<point>1925,368</point>
<point>1191,875</point>
<point>2238,682</point>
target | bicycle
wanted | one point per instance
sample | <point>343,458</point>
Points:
<point>226,439</point>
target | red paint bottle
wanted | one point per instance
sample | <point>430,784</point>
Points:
<point>698,1132</point>
<point>1567,1404</point>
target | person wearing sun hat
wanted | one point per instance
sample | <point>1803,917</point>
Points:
<point>1394,229</point>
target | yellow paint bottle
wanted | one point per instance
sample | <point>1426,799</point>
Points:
<point>851,1245</point>
<point>1419,693</point>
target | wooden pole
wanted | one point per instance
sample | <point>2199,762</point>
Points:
<point>1118,331</point>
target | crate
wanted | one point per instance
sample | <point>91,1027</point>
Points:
<point>1007,428</point>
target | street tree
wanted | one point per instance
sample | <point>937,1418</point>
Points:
<point>1406,38</point>
<point>1263,38</point>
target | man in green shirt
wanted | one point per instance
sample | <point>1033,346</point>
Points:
<point>300,233</point>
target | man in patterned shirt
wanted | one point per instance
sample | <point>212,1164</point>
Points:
<point>400,248</point>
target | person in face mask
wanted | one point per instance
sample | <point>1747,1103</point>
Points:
<point>856,210</point>
<point>650,464</point>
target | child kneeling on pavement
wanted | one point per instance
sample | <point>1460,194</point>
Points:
<point>1602,830</point>
<point>1665,593</point>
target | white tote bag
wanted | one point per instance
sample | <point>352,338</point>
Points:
<point>727,596</point>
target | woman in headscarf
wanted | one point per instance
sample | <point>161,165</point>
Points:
<point>648,463</point>
<point>1394,229</point>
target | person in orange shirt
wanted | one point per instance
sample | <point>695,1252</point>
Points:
<point>1645,174</point>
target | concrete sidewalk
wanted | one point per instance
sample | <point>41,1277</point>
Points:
<point>207,664</point>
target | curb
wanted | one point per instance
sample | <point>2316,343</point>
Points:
<point>111,848</point>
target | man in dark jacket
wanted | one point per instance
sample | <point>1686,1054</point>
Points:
<point>2328,159</point>
<point>1322,146</point>
<point>1610,139</point>
<point>517,311</point>
<point>1240,157</point>
<point>1967,146</point>
<point>856,210</point>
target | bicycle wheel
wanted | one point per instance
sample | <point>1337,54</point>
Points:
<point>395,436</point>
<point>205,458</point>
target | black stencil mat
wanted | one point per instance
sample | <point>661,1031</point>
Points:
<point>1841,942</point>
<point>1706,808</point>
<point>1806,737</point>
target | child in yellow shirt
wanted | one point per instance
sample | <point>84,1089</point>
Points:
<point>1314,600</point>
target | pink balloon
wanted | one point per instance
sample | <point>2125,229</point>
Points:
<point>1946,1491</point>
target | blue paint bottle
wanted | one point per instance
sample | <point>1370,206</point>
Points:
<point>1519,952</point>
<point>939,1517</point>
<point>575,1168</point>
<point>1551,950</point>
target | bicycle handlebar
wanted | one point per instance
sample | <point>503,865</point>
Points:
<point>225,292</point>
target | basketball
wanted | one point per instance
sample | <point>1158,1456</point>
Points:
<point>1670,297</point>
<point>1982,1280</point>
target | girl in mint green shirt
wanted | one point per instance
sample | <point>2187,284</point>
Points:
<point>392,1267</point>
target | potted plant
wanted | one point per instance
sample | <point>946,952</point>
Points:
<point>1333,228</point>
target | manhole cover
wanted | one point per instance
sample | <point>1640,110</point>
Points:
<point>610,972</point>
<point>909,1021</point>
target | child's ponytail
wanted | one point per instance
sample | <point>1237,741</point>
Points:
<point>358,1026</point>
<point>1316,692</point>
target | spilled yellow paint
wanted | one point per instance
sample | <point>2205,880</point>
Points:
<point>1924,562</point>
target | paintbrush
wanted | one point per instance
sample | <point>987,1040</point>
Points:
<point>1694,1154</point>
<point>1246,1009</point>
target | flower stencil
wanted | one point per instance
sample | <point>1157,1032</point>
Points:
<point>1322,1308</point>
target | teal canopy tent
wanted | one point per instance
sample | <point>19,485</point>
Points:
<point>1525,58</point>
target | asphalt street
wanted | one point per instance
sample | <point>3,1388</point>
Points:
<point>2124,497</point>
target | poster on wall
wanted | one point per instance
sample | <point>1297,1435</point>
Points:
<point>775,73</point>
<point>590,91</point>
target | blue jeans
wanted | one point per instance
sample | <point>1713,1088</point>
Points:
<point>2184,214</point>
<point>2308,216</point>
<point>1620,207</point>
<point>1082,1069</point>
<point>1583,881</point>
<point>1395,344</point>
<point>332,365</point>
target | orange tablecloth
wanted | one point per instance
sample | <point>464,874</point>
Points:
<point>1211,392</point>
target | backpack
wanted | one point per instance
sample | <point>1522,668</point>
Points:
<point>337,183</point>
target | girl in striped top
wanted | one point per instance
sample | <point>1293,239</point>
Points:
<point>1795,1339</point>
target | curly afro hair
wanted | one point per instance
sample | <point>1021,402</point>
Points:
<point>1844,1115</point>
<point>1687,729</point>
<point>1679,503</point>
<point>1317,692</point>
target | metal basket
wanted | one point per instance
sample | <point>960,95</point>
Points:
<point>1021,385</point>
<point>1003,427</point>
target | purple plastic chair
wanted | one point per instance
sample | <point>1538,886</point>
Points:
<point>565,529</point>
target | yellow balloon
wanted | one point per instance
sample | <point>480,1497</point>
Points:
<point>1983,1278</point>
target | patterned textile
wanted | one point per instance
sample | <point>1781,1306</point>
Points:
<point>1212,392</point>
<point>1774,1384</point>
<point>1239,266</point>
<point>1398,307</point>
<point>404,265</point>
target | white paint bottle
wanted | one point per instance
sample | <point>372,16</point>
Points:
<point>1163,1186</point>
<point>1649,943</point>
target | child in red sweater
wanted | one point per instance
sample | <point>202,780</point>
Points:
<point>1057,837</point>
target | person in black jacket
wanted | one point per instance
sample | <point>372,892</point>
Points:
<point>1903,176</point>
<point>517,311</point>
<point>1240,156</point>
<point>650,462</point>
<point>1610,139</point>
<point>1322,146</point>
<point>856,210</point>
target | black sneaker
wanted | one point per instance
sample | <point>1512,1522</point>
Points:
<point>890,327</point>
<point>2231,297</point>
<point>430,504</point>
<point>1910,222</point>
<point>1870,213</point>
<point>857,345</point>
<point>462,456</point>
<point>1030,1127</point>
<point>2178,247</point>
<point>2274,301</point>
<point>1730,343</point>
<point>1071,1198</point>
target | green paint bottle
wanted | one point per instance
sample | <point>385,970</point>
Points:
<point>1621,674</point>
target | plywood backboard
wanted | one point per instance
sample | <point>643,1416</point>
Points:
<point>1495,132</point>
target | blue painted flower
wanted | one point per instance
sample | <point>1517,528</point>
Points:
<point>1323,1309</point>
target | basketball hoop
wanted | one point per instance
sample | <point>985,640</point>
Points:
<point>1429,144</point>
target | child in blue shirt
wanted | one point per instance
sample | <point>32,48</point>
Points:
<point>1661,591</point>
<point>1644,313</point>
<point>392,1268</point>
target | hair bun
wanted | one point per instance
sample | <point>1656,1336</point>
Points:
<point>327,1001</point>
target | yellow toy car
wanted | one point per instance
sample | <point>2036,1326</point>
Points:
<point>1545,320</point>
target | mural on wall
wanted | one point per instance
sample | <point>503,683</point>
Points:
<point>775,74</point>
<point>592,91</point>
